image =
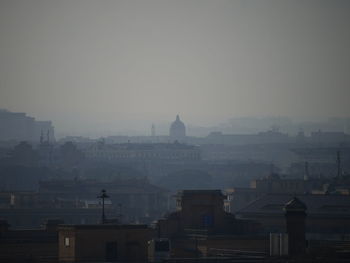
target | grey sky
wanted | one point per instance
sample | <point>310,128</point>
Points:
<point>101,64</point>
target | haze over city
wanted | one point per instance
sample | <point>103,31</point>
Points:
<point>168,131</point>
<point>97,67</point>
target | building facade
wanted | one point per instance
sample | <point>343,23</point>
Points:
<point>143,151</point>
<point>103,243</point>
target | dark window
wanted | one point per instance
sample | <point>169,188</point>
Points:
<point>111,251</point>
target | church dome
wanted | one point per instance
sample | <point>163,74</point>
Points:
<point>177,129</point>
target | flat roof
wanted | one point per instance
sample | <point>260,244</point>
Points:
<point>191,192</point>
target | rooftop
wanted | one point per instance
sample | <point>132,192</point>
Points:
<point>199,192</point>
<point>326,205</point>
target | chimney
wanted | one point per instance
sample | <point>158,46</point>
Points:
<point>295,213</point>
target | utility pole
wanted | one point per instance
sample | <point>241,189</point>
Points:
<point>103,196</point>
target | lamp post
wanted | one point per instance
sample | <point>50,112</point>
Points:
<point>103,196</point>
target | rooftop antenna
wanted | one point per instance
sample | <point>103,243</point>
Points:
<point>103,196</point>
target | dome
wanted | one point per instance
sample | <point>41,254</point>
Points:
<point>177,128</point>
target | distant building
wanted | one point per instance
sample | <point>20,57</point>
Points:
<point>334,137</point>
<point>267,137</point>
<point>134,199</point>
<point>321,159</point>
<point>131,200</point>
<point>18,126</point>
<point>142,151</point>
<point>45,150</point>
<point>239,197</point>
<point>177,129</point>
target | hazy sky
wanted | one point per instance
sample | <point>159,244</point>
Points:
<point>92,65</point>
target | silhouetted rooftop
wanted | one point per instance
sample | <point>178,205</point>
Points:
<point>295,204</point>
<point>327,205</point>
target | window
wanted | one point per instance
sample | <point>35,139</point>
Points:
<point>66,241</point>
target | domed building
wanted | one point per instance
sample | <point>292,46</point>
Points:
<point>177,129</point>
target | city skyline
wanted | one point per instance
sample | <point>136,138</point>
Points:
<point>87,65</point>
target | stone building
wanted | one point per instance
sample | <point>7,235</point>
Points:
<point>103,243</point>
<point>200,226</point>
<point>57,242</point>
<point>201,210</point>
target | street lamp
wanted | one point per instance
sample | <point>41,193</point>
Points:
<point>103,196</point>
